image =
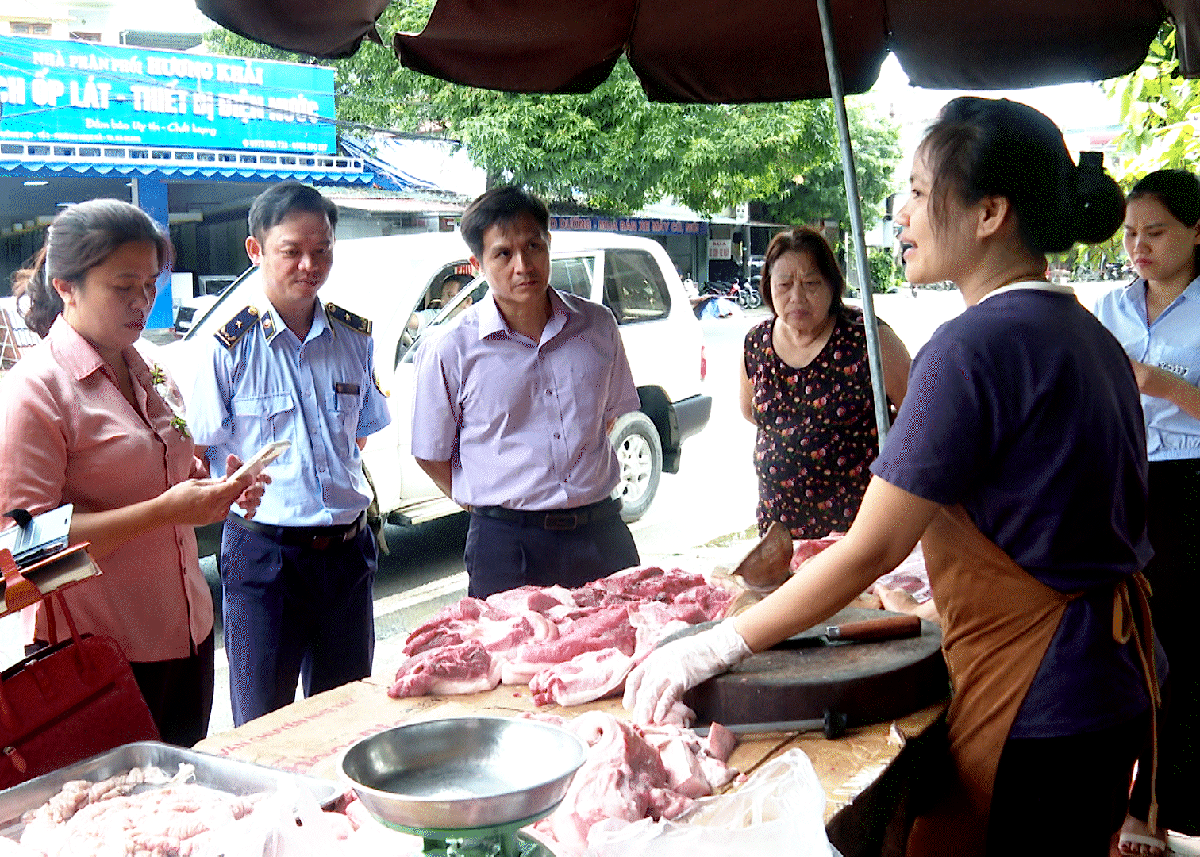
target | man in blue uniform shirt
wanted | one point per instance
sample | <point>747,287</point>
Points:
<point>297,580</point>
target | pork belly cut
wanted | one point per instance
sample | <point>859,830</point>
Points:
<point>692,767</point>
<point>641,583</point>
<point>702,603</point>
<point>652,623</point>
<point>531,599</point>
<point>496,634</point>
<point>604,629</point>
<point>584,678</point>
<point>454,669</point>
<point>529,629</point>
<point>806,549</point>
<point>444,627</point>
<point>631,772</point>
<point>622,777</point>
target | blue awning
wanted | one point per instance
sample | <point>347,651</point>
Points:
<point>211,172</point>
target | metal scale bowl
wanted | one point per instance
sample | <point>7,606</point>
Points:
<point>465,785</point>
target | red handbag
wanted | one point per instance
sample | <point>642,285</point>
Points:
<point>67,702</point>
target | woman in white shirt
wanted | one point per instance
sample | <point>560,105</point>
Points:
<point>1157,320</point>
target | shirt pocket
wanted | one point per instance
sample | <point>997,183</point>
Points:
<point>263,419</point>
<point>584,395</point>
<point>343,409</point>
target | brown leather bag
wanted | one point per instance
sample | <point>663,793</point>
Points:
<point>67,702</point>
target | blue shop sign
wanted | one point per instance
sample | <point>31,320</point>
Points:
<point>82,93</point>
<point>629,225</point>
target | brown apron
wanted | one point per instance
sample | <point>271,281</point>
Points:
<point>997,621</point>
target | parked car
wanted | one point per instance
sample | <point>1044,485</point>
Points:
<point>185,315</point>
<point>396,282</point>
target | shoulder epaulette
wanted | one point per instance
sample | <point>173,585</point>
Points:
<point>237,327</point>
<point>352,321</point>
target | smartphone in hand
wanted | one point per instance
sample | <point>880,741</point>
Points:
<point>259,461</point>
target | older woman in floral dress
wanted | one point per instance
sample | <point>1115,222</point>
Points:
<point>806,385</point>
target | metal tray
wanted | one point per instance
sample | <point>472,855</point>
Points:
<point>215,772</point>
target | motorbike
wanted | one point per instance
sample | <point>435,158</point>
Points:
<point>745,295</point>
<point>749,297</point>
<point>1117,271</point>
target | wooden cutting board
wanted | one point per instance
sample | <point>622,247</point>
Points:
<point>867,682</point>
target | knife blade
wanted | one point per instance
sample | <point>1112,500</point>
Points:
<point>886,628</point>
<point>768,564</point>
<point>833,724</point>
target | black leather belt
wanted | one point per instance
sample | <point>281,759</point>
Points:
<point>316,538</point>
<point>563,519</point>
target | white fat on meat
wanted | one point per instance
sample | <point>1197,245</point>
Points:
<point>9,848</point>
<point>630,773</point>
<point>529,630</point>
<point>603,629</point>
<point>652,583</point>
<point>596,630</point>
<point>586,677</point>
<point>621,778</point>
<point>653,622</point>
<point>497,631</point>
<point>696,766</point>
<point>176,819</point>
<point>531,599</point>
<point>454,669</point>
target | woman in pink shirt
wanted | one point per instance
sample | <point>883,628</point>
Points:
<point>85,420</point>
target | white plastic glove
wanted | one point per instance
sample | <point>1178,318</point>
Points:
<point>656,685</point>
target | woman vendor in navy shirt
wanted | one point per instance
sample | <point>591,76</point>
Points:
<point>1018,459</point>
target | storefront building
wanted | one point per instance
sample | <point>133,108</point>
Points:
<point>190,139</point>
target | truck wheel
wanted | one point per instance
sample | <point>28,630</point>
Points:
<point>639,452</point>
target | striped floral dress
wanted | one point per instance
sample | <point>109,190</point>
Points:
<point>816,429</point>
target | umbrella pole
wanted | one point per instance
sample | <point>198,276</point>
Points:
<point>838,96</point>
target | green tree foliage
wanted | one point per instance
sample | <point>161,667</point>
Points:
<point>822,192</point>
<point>886,275</point>
<point>611,149</point>
<point>1160,112</point>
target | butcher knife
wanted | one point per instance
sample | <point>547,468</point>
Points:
<point>768,564</point>
<point>886,628</point>
<point>833,724</point>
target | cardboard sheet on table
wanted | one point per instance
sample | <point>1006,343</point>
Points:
<point>308,736</point>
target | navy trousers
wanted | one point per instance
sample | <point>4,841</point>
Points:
<point>294,613</point>
<point>503,555</point>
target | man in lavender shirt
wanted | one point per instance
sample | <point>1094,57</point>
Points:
<point>512,411</point>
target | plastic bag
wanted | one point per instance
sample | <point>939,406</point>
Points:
<point>782,802</point>
<point>287,823</point>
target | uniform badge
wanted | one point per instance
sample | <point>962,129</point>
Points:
<point>237,327</point>
<point>352,321</point>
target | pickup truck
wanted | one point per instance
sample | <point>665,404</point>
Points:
<point>396,282</point>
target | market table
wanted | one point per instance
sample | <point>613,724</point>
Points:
<point>308,735</point>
